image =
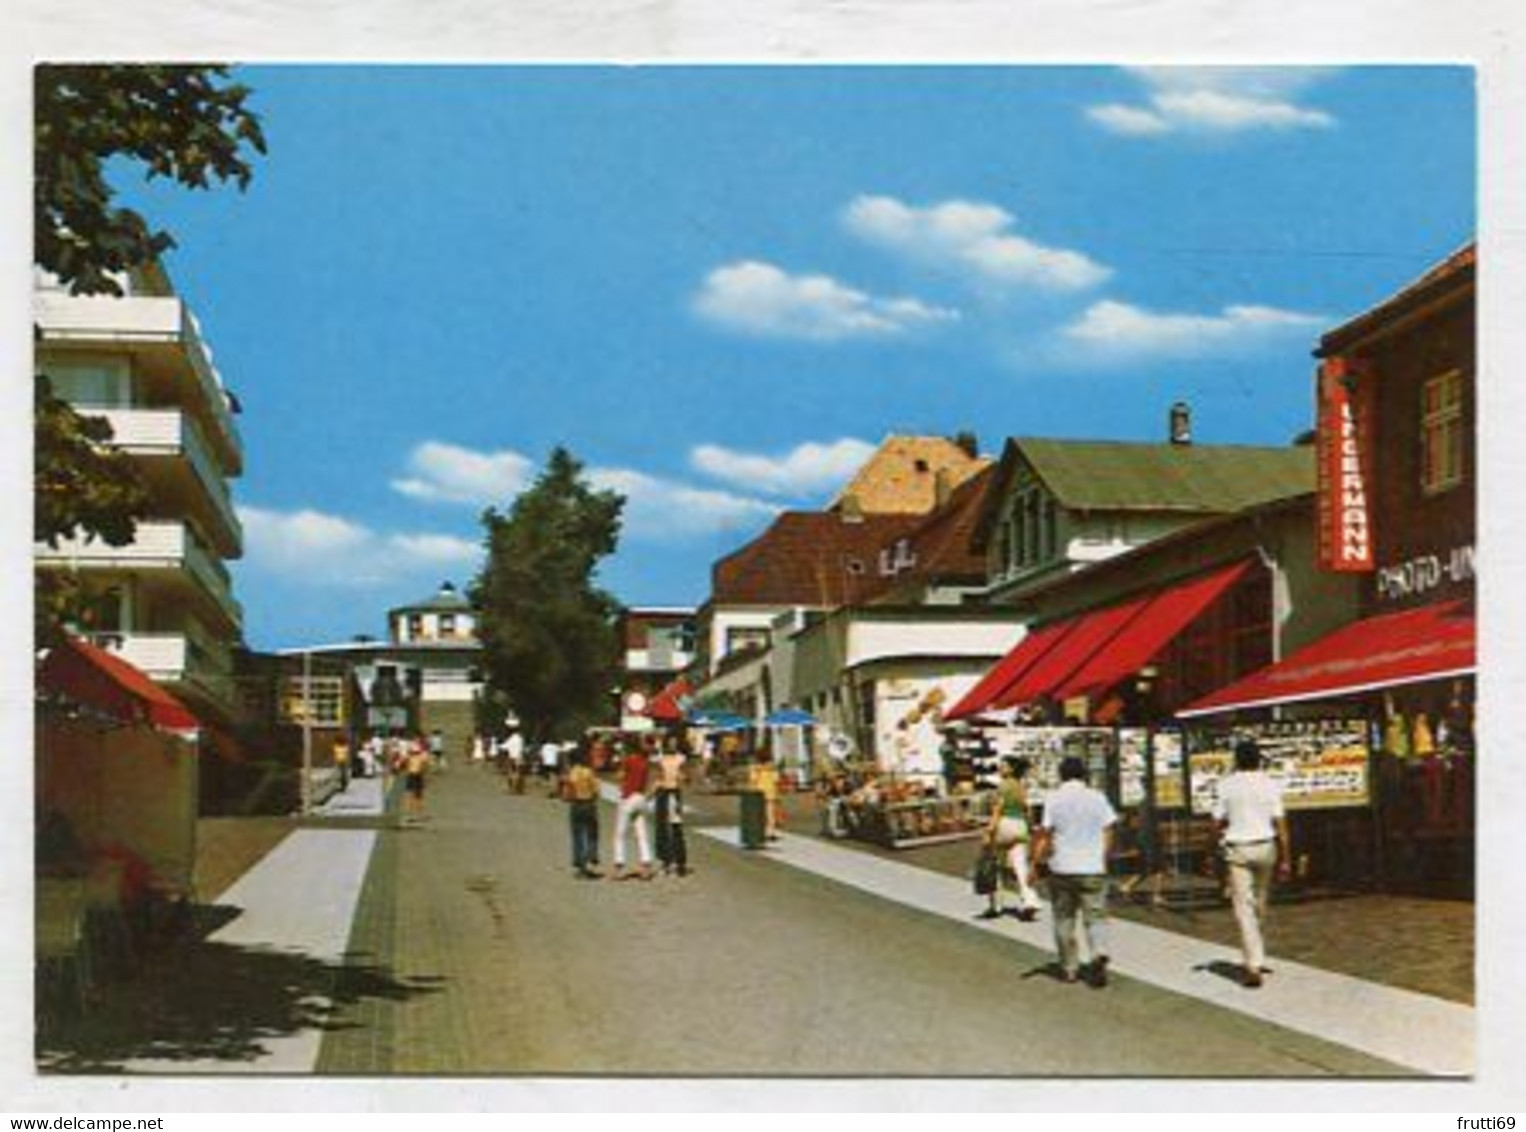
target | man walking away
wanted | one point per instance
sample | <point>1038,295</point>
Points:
<point>582,792</point>
<point>1254,829</point>
<point>672,849</point>
<point>514,758</point>
<point>631,813</point>
<point>437,749</point>
<point>1074,842</point>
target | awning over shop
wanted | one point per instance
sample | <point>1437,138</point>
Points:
<point>1430,643</point>
<point>85,674</point>
<point>1088,654</point>
<point>668,705</point>
<point>1166,615</point>
<point>1093,631</point>
<point>1007,670</point>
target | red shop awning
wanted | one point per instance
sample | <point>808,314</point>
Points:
<point>1429,643</point>
<point>92,676</point>
<point>1166,615</point>
<point>667,705</point>
<point>1007,671</point>
<point>1092,632</point>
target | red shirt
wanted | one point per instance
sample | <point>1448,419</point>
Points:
<point>634,770</point>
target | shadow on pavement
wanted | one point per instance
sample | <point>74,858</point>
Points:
<point>1224,969</point>
<point>200,1001</point>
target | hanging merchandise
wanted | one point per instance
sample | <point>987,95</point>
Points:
<point>1396,731</point>
<point>1424,745</point>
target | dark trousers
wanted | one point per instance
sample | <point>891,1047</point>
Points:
<point>672,850</point>
<point>584,817</point>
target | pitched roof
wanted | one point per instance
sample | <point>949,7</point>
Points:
<point>819,558</point>
<point>943,541</point>
<point>1456,271</point>
<point>447,600</point>
<point>1105,475</point>
<point>902,475</point>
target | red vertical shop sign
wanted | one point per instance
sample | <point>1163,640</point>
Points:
<point>1345,466</point>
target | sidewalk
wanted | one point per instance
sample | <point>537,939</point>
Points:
<point>1422,1032</point>
<point>1419,945</point>
<point>254,988</point>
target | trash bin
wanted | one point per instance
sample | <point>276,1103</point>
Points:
<point>754,823</point>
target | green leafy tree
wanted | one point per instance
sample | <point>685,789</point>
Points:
<point>548,631</point>
<point>185,123</point>
<point>80,487</point>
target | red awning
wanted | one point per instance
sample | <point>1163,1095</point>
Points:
<point>667,705</point>
<point>1166,615</point>
<point>89,675</point>
<point>1429,643</point>
<point>1007,670</point>
<point>1092,632</point>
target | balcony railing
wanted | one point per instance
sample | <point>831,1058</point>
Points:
<point>137,320</point>
<point>171,431</point>
<point>174,658</point>
<point>156,544</point>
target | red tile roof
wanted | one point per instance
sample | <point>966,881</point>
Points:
<point>818,558</point>
<point>941,541</point>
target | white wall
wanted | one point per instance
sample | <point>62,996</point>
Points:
<point>880,639</point>
<point>913,749</point>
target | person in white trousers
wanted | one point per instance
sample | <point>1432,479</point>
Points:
<point>631,814</point>
<point>1008,834</point>
<point>1254,828</point>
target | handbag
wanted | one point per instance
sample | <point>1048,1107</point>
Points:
<point>987,873</point>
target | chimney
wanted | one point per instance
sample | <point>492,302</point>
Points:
<point>942,488</point>
<point>851,509</point>
<point>1181,423</point>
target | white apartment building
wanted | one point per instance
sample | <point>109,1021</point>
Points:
<point>165,602</point>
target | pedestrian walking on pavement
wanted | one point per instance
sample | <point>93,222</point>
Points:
<point>631,813</point>
<point>1008,835</point>
<point>514,763</point>
<point>672,849</point>
<point>342,761</point>
<point>764,778</point>
<point>1073,843</point>
<point>1254,829</point>
<point>437,750</point>
<point>415,769</point>
<point>581,789</point>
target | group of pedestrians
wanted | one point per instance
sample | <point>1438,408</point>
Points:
<point>1070,848</point>
<point>652,776</point>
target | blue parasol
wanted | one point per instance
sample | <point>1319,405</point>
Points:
<point>789,717</point>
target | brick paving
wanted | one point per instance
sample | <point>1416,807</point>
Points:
<point>509,966</point>
<point>1420,945</point>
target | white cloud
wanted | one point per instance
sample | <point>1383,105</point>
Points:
<point>758,298</point>
<point>658,509</point>
<point>443,550</point>
<point>971,237</point>
<point>327,550</point>
<point>805,469</point>
<point>447,473</point>
<point>1216,100</point>
<point>1114,329</point>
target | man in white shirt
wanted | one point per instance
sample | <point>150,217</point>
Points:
<point>514,769</point>
<point>1074,841</point>
<point>1254,829</point>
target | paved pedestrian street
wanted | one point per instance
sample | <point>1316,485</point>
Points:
<point>465,946</point>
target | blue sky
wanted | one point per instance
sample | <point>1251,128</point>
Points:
<point>720,286</point>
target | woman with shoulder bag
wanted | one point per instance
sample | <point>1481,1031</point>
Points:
<point>1007,837</point>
